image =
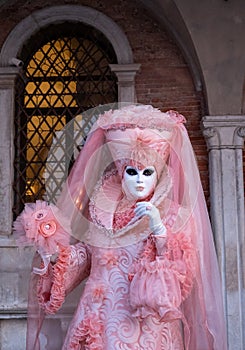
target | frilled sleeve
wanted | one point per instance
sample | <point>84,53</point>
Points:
<point>70,268</point>
<point>163,277</point>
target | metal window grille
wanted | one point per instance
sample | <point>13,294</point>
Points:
<point>66,72</point>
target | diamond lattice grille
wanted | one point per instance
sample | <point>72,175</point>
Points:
<point>62,78</point>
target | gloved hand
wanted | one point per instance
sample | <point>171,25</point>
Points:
<point>156,225</point>
<point>46,258</point>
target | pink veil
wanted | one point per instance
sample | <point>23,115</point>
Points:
<point>203,309</point>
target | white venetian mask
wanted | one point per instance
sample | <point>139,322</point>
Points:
<point>139,183</point>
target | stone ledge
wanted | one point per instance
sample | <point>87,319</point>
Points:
<point>13,314</point>
<point>7,241</point>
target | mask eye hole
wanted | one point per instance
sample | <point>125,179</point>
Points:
<point>148,172</point>
<point>131,171</point>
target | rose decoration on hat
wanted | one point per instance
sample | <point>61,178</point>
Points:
<point>42,225</point>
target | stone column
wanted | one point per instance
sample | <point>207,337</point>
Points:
<point>126,81</point>
<point>8,76</point>
<point>225,139</point>
<point>14,265</point>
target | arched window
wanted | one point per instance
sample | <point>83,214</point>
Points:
<point>66,71</point>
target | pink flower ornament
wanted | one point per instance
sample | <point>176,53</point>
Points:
<point>40,214</point>
<point>42,225</point>
<point>48,229</point>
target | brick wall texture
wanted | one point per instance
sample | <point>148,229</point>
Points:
<point>164,80</point>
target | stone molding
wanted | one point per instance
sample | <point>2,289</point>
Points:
<point>8,76</point>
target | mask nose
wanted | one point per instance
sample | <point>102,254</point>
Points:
<point>139,178</point>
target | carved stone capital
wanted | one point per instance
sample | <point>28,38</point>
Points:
<point>125,72</point>
<point>8,76</point>
<point>126,80</point>
<point>211,136</point>
<point>241,132</point>
<point>209,132</point>
<point>224,132</point>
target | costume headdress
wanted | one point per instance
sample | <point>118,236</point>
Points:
<point>134,134</point>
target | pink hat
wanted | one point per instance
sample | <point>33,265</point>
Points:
<point>143,147</point>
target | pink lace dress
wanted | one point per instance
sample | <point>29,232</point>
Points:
<point>132,298</point>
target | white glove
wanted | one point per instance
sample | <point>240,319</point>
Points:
<point>156,225</point>
<point>46,258</point>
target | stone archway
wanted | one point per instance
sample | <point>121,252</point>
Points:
<point>126,68</point>
<point>56,14</point>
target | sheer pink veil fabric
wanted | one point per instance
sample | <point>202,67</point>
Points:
<point>203,309</point>
<point>204,324</point>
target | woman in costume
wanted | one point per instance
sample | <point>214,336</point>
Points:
<point>135,205</point>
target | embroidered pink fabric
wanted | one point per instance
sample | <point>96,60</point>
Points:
<point>143,291</point>
<point>160,283</point>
